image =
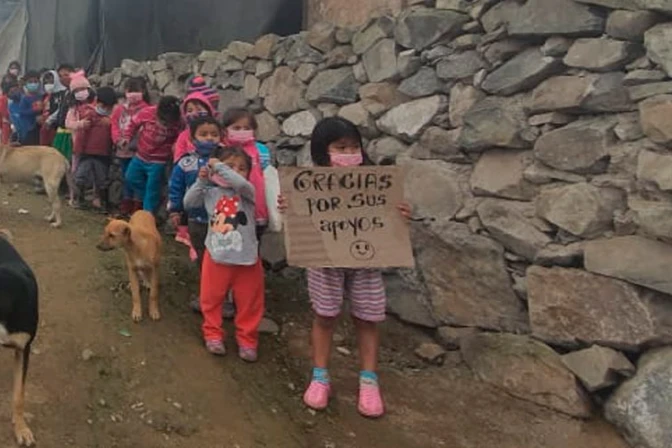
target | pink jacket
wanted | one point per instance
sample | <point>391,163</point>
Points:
<point>155,140</point>
<point>257,180</point>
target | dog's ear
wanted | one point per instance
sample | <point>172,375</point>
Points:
<point>126,232</point>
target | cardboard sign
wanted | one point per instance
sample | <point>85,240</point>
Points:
<point>345,217</point>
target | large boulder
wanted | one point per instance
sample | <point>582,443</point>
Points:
<point>407,298</point>
<point>630,25</point>
<point>380,97</point>
<point>377,29</point>
<point>466,278</point>
<point>337,86</point>
<point>658,42</point>
<point>581,209</point>
<point>522,72</point>
<point>598,367</point>
<point>438,143</point>
<point>420,28</point>
<point>409,119</point>
<point>300,124</point>
<point>580,147</point>
<point>613,4</point>
<point>268,127</point>
<point>506,223</point>
<point>499,173</point>
<point>462,98</point>
<point>385,150</point>
<point>642,406</point>
<point>380,61</point>
<point>653,114</point>
<point>562,93</point>
<point>422,83</point>
<point>284,92</point>
<point>526,369</point>
<point>655,168</point>
<point>544,18</point>
<point>601,55</point>
<point>664,6</point>
<point>571,307</point>
<point>322,36</point>
<point>460,65</point>
<point>609,94</point>
<point>654,218</point>
<point>432,187</point>
<point>263,47</point>
<point>634,259</point>
<point>494,122</point>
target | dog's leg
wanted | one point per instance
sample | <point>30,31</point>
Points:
<point>52,193</point>
<point>136,313</point>
<point>24,435</point>
<point>154,312</point>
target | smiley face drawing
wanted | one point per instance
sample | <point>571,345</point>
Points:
<point>362,250</point>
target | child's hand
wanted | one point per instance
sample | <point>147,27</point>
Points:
<point>85,124</point>
<point>212,162</point>
<point>282,204</point>
<point>203,173</point>
<point>175,219</point>
<point>105,121</point>
<point>405,209</point>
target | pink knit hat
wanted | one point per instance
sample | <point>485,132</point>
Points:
<point>78,81</point>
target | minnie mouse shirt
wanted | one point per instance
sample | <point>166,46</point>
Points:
<point>229,200</point>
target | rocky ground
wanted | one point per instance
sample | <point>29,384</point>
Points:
<point>97,380</point>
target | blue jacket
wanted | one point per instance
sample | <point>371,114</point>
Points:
<point>24,117</point>
<point>264,155</point>
<point>184,176</point>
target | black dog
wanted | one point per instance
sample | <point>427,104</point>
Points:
<point>18,326</point>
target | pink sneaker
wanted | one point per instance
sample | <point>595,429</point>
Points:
<point>370,401</point>
<point>216,347</point>
<point>317,395</point>
<point>182,236</point>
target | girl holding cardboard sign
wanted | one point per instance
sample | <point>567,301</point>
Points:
<point>336,142</point>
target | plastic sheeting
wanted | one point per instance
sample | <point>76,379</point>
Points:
<point>100,33</point>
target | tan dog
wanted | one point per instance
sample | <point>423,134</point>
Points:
<point>23,163</point>
<point>141,243</point>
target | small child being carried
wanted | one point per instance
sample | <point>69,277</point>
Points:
<point>231,260</point>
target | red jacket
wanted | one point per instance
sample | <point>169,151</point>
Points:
<point>155,140</point>
<point>94,140</point>
<point>121,118</point>
<point>5,123</point>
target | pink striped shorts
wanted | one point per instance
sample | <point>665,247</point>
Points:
<point>363,287</point>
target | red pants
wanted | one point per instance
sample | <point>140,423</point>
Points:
<point>247,283</point>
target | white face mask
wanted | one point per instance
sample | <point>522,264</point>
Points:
<point>48,88</point>
<point>14,71</point>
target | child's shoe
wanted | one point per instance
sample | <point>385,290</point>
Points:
<point>248,354</point>
<point>215,347</point>
<point>370,401</point>
<point>195,305</point>
<point>317,395</point>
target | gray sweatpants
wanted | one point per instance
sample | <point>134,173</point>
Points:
<point>92,172</point>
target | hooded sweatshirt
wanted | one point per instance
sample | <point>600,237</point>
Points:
<point>155,140</point>
<point>121,119</point>
<point>184,144</point>
<point>229,199</point>
<point>184,175</point>
<point>53,100</point>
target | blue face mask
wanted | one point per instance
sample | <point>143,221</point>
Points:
<point>102,111</point>
<point>205,148</point>
<point>32,87</point>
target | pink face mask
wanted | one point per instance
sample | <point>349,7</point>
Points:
<point>240,137</point>
<point>133,97</point>
<point>346,160</point>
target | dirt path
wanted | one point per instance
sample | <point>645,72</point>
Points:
<point>99,381</point>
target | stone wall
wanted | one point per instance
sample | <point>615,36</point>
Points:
<point>349,12</point>
<point>536,137</point>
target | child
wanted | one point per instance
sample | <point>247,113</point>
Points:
<point>53,89</point>
<point>197,84</point>
<point>206,135</point>
<point>30,107</point>
<point>8,82</point>
<point>336,142</point>
<point>93,148</point>
<point>137,99</point>
<point>231,259</point>
<point>61,101</point>
<point>157,128</point>
<point>81,109</point>
<point>195,105</point>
